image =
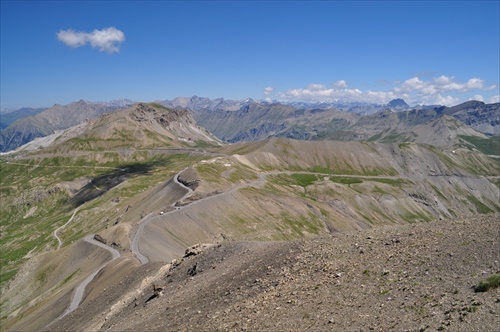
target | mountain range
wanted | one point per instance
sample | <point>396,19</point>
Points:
<point>6,119</point>
<point>198,214</point>
<point>234,121</point>
<point>47,121</point>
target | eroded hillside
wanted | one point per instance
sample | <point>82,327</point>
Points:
<point>417,277</point>
<point>148,196</point>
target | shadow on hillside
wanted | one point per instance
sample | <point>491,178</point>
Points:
<point>101,184</point>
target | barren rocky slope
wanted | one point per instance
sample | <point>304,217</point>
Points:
<point>260,121</point>
<point>234,121</point>
<point>416,277</point>
<point>57,117</point>
<point>142,126</point>
<point>478,115</point>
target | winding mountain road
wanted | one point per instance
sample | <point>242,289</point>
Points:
<point>79,290</point>
<point>134,245</point>
<point>58,229</point>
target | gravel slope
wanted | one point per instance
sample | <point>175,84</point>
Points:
<point>415,277</point>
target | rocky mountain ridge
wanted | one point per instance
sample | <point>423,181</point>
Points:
<point>6,119</point>
<point>57,117</point>
<point>255,122</point>
<point>258,120</point>
<point>143,125</point>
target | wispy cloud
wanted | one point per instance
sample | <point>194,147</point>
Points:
<point>340,84</point>
<point>477,97</point>
<point>494,99</point>
<point>105,40</point>
<point>268,90</point>
<point>442,90</point>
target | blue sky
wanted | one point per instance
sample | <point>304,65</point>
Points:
<point>435,52</point>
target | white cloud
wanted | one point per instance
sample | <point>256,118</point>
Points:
<point>442,90</point>
<point>105,40</point>
<point>477,97</point>
<point>340,84</point>
<point>441,84</point>
<point>316,87</point>
<point>438,100</point>
<point>72,38</point>
<point>494,99</point>
<point>268,90</point>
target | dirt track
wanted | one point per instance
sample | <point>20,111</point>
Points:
<point>134,245</point>
<point>78,293</point>
<point>60,243</point>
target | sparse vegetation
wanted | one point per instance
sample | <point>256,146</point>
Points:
<point>345,180</point>
<point>43,274</point>
<point>322,170</point>
<point>488,146</point>
<point>491,282</point>
<point>304,180</point>
<point>156,105</point>
<point>480,206</point>
<point>68,278</point>
<point>302,224</point>
<point>23,233</point>
<point>412,217</point>
<point>404,145</point>
<point>394,138</point>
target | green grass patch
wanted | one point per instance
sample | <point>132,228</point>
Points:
<point>491,282</point>
<point>391,182</point>
<point>378,190</point>
<point>304,180</point>
<point>393,138</point>
<point>345,180</point>
<point>488,146</point>
<point>156,105</point>
<point>404,145</point>
<point>205,144</point>
<point>412,217</point>
<point>5,276</point>
<point>211,172</point>
<point>322,170</point>
<point>68,278</point>
<point>242,174</point>
<point>299,225</point>
<point>438,192</point>
<point>480,206</point>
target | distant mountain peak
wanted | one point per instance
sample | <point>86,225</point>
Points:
<point>398,103</point>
